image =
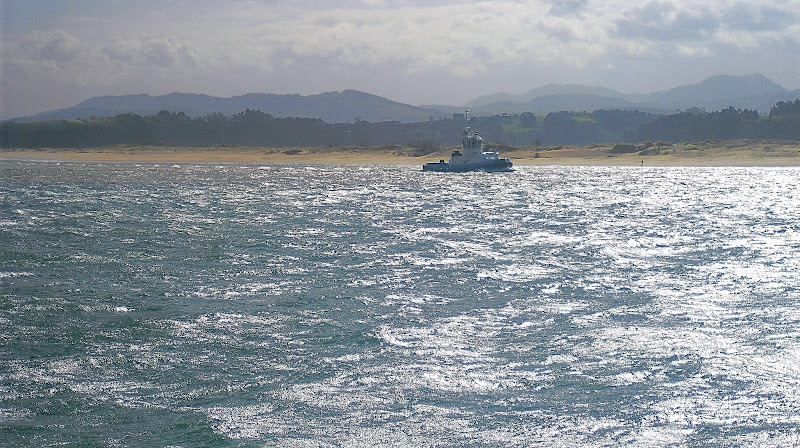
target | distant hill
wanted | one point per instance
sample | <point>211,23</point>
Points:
<point>718,92</point>
<point>445,110</point>
<point>548,90</point>
<point>755,92</point>
<point>331,107</point>
<point>556,102</point>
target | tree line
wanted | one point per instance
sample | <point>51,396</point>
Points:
<point>782,123</point>
<point>256,128</point>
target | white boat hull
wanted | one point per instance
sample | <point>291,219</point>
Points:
<point>493,165</point>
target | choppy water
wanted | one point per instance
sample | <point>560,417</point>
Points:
<point>236,305</point>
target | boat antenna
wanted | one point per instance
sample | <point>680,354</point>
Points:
<point>466,120</point>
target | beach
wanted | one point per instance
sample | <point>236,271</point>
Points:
<point>713,153</point>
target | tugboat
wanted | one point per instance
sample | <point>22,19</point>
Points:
<point>471,157</point>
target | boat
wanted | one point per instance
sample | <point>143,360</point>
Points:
<point>471,157</point>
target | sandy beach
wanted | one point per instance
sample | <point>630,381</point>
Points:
<point>715,153</point>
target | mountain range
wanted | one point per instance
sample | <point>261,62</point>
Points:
<point>331,107</point>
<point>755,92</point>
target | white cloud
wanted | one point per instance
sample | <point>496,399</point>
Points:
<point>685,50</point>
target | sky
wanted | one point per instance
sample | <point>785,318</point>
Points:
<point>58,53</point>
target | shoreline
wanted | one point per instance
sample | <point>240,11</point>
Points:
<point>722,153</point>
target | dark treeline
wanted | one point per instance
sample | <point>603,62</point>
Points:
<point>255,128</point>
<point>249,128</point>
<point>783,123</point>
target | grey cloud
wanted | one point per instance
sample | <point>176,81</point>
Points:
<point>168,53</point>
<point>560,29</point>
<point>117,54</point>
<point>158,52</point>
<point>63,50</point>
<point>567,7</point>
<point>663,21</point>
<point>745,16</point>
<point>58,47</point>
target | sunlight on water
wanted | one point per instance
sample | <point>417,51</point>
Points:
<point>241,305</point>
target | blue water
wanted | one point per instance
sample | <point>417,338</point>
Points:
<point>320,306</point>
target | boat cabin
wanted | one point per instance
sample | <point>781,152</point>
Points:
<point>472,140</point>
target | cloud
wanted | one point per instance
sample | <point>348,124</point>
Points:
<point>567,7</point>
<point>753,17</point>
<point>64,51</point>
<point>414,36</point>
<point>157,53</point>
<point>667,21</point>
<point>56,47</point>
<point>451,37</point>
<point>304,46</point>
<point>419,36</point>
<point>168,52</point>
<point>702,29</point>
<point>685,50</point>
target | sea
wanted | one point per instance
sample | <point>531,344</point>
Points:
<point>234,305</point>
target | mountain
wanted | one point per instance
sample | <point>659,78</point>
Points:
<point>755,92</point>
<point>445,110</point>
<point>331,107</point>
<point>718,92</point>
<point>548,90</point>
<point>556,102</point>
